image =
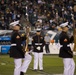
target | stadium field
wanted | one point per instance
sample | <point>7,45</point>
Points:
<point>52,66</point>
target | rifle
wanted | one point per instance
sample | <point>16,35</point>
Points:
<point>25,47</point>
<point>27,40</point>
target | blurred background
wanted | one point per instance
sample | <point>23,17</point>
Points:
<point>44,14</point>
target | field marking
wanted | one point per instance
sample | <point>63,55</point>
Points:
<point>42,73</point>
<point>3,63</point>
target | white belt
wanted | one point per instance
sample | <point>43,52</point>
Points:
<point>67,45</point>
<point>13,44</point>
<point>38,43</point>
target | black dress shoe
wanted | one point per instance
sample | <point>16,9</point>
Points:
<point>21,73</point>
<point>40,70</point>
<point>34,69</point>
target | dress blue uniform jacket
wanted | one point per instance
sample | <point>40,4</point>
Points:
<point>65,50</point>
<point>38,41</point>
<point>16,51</point>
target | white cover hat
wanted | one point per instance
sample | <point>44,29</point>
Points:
<point>38,29</point>
<point>64,24</point>
<point>14,23</point>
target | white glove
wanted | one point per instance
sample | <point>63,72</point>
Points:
<point>38,48</point>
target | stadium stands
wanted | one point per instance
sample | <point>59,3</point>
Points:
<point>45,14</point>
<point>51,12</point>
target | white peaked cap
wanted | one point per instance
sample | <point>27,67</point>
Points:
<point>39,20</point>
<point>14,23</point>
<point>64,24</point>
<point>38,29</point>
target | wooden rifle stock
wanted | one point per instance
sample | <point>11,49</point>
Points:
<point>27,39</point>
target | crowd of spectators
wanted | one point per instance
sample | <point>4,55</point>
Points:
<point>46,14</point>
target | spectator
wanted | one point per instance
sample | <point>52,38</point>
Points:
<point>47,42</point>
<point>37,9</point>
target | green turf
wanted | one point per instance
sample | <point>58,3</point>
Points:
<point>52,65</point>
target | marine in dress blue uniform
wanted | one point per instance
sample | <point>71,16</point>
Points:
<point>38,43</point>
<point>65,51</point>
<point>16,50</point>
